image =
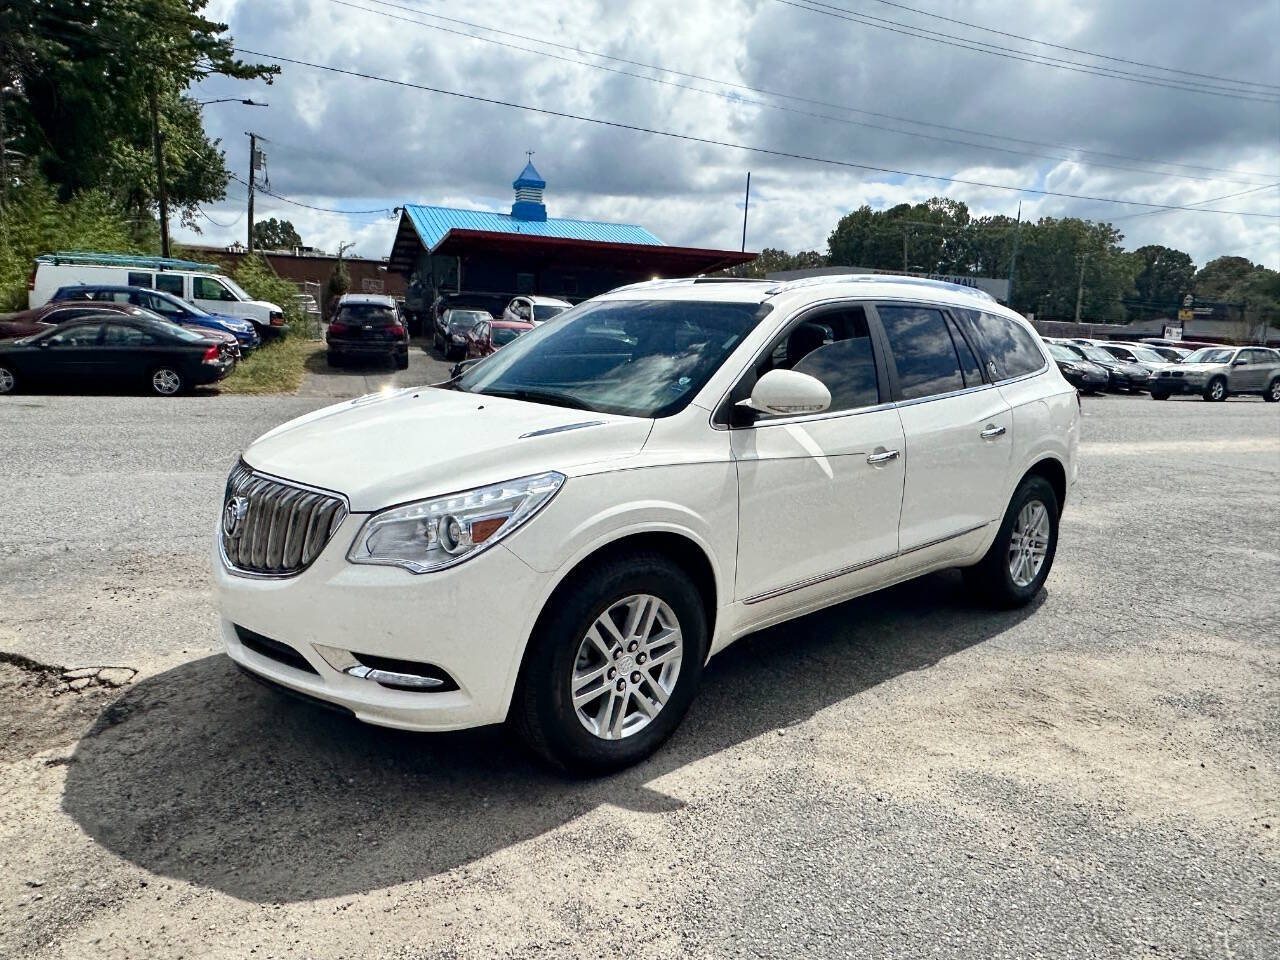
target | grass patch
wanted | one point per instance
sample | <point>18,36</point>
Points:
<point>277,367</point>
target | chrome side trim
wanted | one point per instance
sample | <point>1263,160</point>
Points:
<point>821,578</point>
<point>844,571</point>
<point>950,536</point>
<point>396,679</point>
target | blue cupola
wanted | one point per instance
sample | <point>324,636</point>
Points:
<point>529,186</point>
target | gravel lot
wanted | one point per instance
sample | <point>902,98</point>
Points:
<point>902,776</point>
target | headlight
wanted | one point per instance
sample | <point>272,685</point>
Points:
<point>434,534</point>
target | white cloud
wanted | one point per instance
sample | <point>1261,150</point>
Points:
<point>349,143</point>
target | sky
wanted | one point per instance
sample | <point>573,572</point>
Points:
<point>775,76</point>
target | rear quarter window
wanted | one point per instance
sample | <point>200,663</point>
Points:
<point>1009,349</point>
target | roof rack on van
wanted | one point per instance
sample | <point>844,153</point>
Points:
<point>126,260</point>
<point>826,278</point>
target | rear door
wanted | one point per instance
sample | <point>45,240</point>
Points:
<point>957,430</point>
<point>128,353</point>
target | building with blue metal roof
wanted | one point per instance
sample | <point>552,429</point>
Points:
<point>484,253</point>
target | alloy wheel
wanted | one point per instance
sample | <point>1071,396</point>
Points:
<point>166,382</point>
<point>7,380</point>
<point>1217,390</point>
<point>1028,543</point>
<point>1274,391</point>
<point>627,666</point>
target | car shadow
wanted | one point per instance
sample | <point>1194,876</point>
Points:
<point>201,775</point>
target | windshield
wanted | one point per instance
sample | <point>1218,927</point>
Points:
<point>1095,353</point>
<point>235,288</point>
<point>504,335</point>
<point>545,311</point>
<point>182,333</point>
<point>1147,355</point>
<point>367,314</point>
<point>1210,355</point>
<point>182,306</point>
<point>1059,352</point>
<point>640,358</point>
<point>460,321</point>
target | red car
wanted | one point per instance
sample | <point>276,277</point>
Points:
<point>488,336</point>
<point>30,322</point>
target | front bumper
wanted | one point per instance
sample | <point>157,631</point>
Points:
<point>1086,380</point>
<point>471,621</point>
<point>1178,385</point>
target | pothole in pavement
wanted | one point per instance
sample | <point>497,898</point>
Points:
<point>43,706</point>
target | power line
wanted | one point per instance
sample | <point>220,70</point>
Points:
<point>736,99</point>
<point>381,211</point>
<point>1088,53</point>
<point>1229,196</point>
<point>475,98</point>
<point>1009,53</point>
<point>795,98</point>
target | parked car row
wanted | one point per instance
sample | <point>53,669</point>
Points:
<point>1161,370</point>
<point>198,284</point>
<point>115,347</point>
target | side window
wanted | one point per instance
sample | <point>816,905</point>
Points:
<point>62,316</point>
<point>81,335</point>
<point>833,346</point>
<point>120,335</point>
<point>139,279</point>
<point>522,310</point>
<point>923,351</point>
<point>159,305</point>
<point>169,283</point>
<point>208,288</point>
<point>1010,350</point>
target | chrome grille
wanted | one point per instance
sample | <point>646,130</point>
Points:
<point>273,528</point>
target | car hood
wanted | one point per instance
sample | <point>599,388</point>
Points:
<point>267,304</point>
<point>405,445</point>
<point>1199,367</point>
<point>227,320</point>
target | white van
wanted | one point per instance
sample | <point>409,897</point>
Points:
<point>200,283</point>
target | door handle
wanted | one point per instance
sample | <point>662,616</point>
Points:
<point>884,457</point>
<point>991,432</point>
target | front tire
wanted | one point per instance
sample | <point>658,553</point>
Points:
<point>1271,394</point>
<point>8,381</point>
<point>167,382</point>
<point>1159,395</point>
<point>612,665</point>
<point>1216,390</point>
<point>1018,562</point>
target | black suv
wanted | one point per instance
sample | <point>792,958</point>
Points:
<point>367,326</point>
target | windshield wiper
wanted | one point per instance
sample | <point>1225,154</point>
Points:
<point>538,396</point>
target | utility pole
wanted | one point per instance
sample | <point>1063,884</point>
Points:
<point>253,166</point>
<point>746,205</point>
<point>1084,258</point>
<point>162,191</point>
<point>1013,260</point>
<point>905,268</point>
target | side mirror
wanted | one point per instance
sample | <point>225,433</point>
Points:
<point>1239,362</point>
<point>787,393</point>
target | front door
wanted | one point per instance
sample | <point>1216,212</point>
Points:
<point>958,431</point>
<point>819,495</point>
<point>73,354</point>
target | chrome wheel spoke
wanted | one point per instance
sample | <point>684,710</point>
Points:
<point>1029,543</point>
<point>627,666</point>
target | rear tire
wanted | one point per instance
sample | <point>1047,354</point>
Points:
<point>1007,576</point>
<point>561,657</point>
<point>1159,395</point>
<point>8,380</point>
<point>1216,390</point>
<point>402,362</point>
<point>333,359</point>
<point>167,382</point>
<point>1272,393</point>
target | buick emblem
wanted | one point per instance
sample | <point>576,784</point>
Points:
<point>233,515</point>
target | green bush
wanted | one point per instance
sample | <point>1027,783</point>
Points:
<point>34,222</point>
<point>260,281</point>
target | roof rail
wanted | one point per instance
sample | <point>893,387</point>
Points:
<point>126,260</point>
<point>827,278</point>
<point>659,283</point>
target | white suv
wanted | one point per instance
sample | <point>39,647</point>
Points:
<point>535,310</point>
<point>562,536</point>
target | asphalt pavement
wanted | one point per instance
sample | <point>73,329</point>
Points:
<point>905,775</point>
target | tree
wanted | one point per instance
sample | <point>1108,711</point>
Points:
<point>99,79</point>
<point>929,237</point>
<point>1164,275</point>
<point>1238,280</point>
<point>275,234</point>
<point>1217,277</point>
<point>773,260</point>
